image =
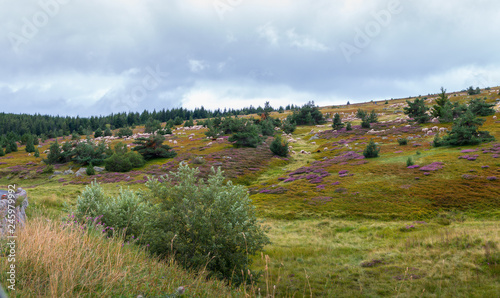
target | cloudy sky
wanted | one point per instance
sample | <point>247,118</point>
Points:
<point>89,57</point>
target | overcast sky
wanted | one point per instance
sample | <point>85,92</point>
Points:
<point>88,57</point>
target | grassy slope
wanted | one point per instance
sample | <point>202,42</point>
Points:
<point>319,245</point>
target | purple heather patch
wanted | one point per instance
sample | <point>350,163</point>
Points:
<point>468,177</point>
<point>398,151</point>
<point>320,186</point>
<point>336,183</point>
<point>484,167</point>
<point>492,178</point>
<point>343,172</point>
<point>413,167</point>
<point>432,167</point>
<point>468,150</point>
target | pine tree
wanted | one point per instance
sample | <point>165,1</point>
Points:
<point>479,107</point>
<point>348,126</point>
<point>98,133</point>
<point>465,131</point>
<point>371,150</point>
<point>29,146</point>
<point>417,110</point>
<point>12,145</point>
<point>107,132</point>
<point>153,147</point>
<point>37,153</point>
<point>373,118</point>
<point>2,153</point>
<point>446,113</point>
<point>337,122</point>
<point>54,154</point>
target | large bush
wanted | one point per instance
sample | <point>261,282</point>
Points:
<point>205,223</point>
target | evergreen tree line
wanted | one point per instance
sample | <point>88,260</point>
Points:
<point>15,125</point>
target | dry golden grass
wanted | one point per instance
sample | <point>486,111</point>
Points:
<point>59,260</point>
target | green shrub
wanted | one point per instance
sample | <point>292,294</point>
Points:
<point>371,150</point>
<point>348,126</point>
<point>117,163</point>
<point>402,141</point>
<point>126,211</point>
<point>90,170</point>
<point>409,162</point>
<point>365,123</point>
<point>48,169</point>
<point>279,146</point>
<point>136,159</point>
<point>205,223</point>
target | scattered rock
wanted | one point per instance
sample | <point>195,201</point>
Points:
<point>98,169</point>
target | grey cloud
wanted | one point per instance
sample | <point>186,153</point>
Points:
<point>91,56</point>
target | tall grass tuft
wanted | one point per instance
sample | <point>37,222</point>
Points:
<point>69,260</point>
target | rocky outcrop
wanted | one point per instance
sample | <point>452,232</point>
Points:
<point>21,203</point>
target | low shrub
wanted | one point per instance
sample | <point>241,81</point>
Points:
<point>402,141</point>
